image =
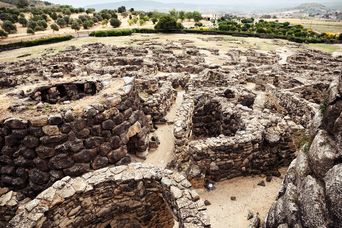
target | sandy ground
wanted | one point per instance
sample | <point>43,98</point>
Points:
<point>225,213</point>
<point>163,154</point>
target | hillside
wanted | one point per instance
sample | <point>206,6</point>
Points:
<point>32,3</point>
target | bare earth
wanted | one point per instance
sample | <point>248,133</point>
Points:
<point>225,213</point>
<point>163,154</point>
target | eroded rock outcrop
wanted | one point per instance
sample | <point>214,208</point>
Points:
<point>311,195</point>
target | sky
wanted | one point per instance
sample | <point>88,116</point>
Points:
<point>254,2</point>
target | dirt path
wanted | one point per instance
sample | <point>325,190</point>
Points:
<point>226,213</point>
<point>284,53</point>
<point>162,155</point>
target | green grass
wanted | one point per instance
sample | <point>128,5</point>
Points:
<point>329,48</point>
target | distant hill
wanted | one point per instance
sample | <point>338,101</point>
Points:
<point>310,6</point>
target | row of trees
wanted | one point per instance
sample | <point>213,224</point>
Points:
<point>273,28</point>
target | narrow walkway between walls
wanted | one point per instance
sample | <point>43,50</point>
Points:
<point>163,154</point>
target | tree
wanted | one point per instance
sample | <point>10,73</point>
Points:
<point>61,22</point>
<point>121,9</point>
<point>104,22</point>
<point>196,16</point>
<point>181,15</point>
<point>54,27</point>
<point>3,34</point>
<point>114,22</point>
<point>340,36</point>
<point>131,10</point>
<point>22,21</point>
<point>88,24</point>
<point>38,28</point>
<point>154,20</point>
<point>9,27</point>
<point>90,10</point>
<point>30,31</point>
<point>168,23</point>
<point>75,25</point>
<point>22,3</point>
<point>42,24</point>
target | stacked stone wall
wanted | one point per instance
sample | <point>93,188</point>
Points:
<point>37,151</point>
<point>133,195</point>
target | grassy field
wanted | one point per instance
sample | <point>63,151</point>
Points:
<point>315,24</point>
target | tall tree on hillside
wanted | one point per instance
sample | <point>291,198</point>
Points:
<point>121,9</point>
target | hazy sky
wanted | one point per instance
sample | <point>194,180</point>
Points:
<point>262,2</point>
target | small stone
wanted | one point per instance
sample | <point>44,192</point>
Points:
<point>233,198</point>
<point>262,183</point>
<point>268,178</point>
<point>55,119</point>
<point>51,130</point>
<point>250,215</point>
<point>207,202</point>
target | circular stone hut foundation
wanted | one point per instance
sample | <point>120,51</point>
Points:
<point>68,128</point>
<point>132,195</point>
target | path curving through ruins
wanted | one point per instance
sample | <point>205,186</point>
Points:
<point>163,154</point>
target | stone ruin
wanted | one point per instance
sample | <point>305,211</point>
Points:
<point>311,192</point>
<point>122,196</point>
<point>70,116</point>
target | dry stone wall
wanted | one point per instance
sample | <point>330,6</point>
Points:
<point>37,151</point>
<point>133,195</point>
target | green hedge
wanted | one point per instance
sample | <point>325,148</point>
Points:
<point>31,43</point>
<point>114,32</point>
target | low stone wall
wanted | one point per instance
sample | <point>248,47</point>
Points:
<point>249,142</point>
<point>37,151</point>
<point>9,202</point>
<point>244,154</point>
<point>300,110</point>
<point>159,102</point>
<point>133,195</point>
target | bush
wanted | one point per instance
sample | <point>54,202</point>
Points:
<point>116,32</point>
<point>114,22</point>
<point>42,24</point>
<point>121,9</point>
<point>9,27</point>
<point>168,23</point>
<point>340,36</point>
<point>61,22</point>
<point>75,25</point>
<point>54,27</point>
<point>3,34</point>
<point>23,21</point>
<point>30,31</point>
<point>198,24</point>
<point>88,24</point>
<point>38,28</point>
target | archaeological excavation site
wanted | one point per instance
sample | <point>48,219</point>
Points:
<point>171,133</point>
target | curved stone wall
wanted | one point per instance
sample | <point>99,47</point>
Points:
<point>38,148</point>
<point>135,195</point>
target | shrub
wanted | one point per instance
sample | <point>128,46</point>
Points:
<point>121,9</point>
<point>61,22</point>
<point>88,24</point>
<point>168,23</point>
<point>54,27</point>
<point>198,24</point>
<point>42,24</point>
<point>75,26</point>
<point>23,21</point>
<point>116,32</point>
<point>9,27</point>
<point>340,36</point>
<point>30,31</point>
<point>38,28</point>
<point>114,22</point>
<point>3,34</point>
